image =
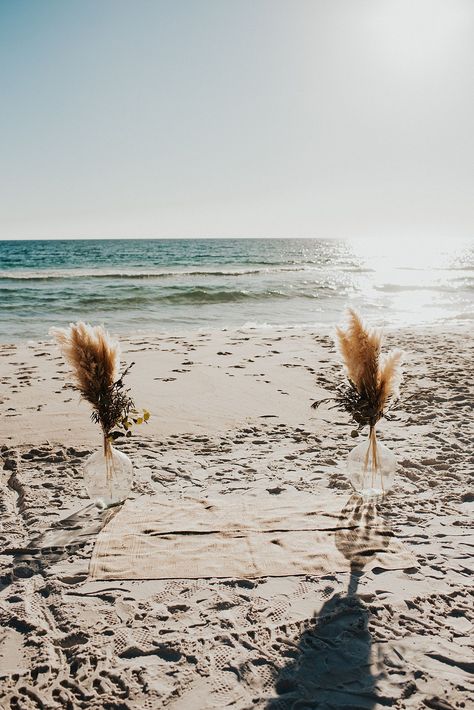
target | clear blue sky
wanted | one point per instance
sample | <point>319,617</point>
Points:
<point>236,118</point>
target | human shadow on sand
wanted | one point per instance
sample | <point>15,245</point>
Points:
<point>331,668</point>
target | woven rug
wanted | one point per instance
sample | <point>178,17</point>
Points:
<point>252,535</point>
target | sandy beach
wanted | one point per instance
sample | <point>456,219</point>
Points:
<point>269,206</point>
<point>230,414</point>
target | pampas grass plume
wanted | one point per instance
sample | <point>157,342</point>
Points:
<point>360,351</point>
<point>93,356</point>
<point>375,379</point>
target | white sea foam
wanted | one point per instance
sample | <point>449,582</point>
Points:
<point>44,274</point>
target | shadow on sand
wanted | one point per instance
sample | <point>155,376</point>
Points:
<point>332,666</point>
<point>63,539</point>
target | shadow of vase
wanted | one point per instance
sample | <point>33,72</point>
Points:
<point>332,667</point>
<point>57,543</point>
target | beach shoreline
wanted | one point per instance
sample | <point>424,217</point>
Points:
<point>179,285</point>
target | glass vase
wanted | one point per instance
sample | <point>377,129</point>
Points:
<point>108,476</point>
<point>371,467</point>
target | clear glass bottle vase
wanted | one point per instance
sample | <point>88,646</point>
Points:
<point>371,467</point>
<point>108,475</point>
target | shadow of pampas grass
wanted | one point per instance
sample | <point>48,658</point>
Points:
<point>332,664</point>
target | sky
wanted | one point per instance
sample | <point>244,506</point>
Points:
<point>236,118</point>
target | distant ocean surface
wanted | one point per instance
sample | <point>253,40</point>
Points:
<point>133,285</point>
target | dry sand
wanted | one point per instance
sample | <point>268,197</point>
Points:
<point>231,412</point>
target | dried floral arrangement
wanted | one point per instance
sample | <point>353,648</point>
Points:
<point>94,358</point>
<point>372,381</point>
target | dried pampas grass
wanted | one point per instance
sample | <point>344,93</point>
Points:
<point>94,358</point>
<point>373,381</point>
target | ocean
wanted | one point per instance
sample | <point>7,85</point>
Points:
<point>135,285</point>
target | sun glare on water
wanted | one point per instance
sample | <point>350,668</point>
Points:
<point>420,280</point>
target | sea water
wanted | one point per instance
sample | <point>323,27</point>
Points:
<point>136,285</point>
